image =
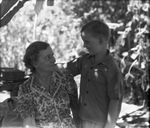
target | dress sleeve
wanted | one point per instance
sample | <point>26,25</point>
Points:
<point>71,88</point>
<point>26,105</point>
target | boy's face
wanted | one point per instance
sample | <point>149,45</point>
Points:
<point>92,44</point>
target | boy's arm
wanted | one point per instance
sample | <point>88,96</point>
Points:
<point>75,66</point>
<point>113,113</point>
<point>115,92</point>
<point>75,109</point>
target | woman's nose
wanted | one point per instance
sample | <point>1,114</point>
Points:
<point>53,59</point>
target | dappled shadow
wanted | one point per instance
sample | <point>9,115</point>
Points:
<point>135,119</point>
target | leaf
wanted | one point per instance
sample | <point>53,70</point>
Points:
<point>134,55</point>
<point>125,54</point>
<point>38,6</point>
<point>129,78</point>
<point>145,7</point>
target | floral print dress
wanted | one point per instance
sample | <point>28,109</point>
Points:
<point>49,108</point>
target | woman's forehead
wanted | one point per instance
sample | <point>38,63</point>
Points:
<point>47,51</point>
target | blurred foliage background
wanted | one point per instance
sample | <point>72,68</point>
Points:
<point>60,26</point>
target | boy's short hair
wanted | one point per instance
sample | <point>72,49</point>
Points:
<point>98,29</point>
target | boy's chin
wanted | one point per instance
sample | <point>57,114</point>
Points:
<point>91,53</point>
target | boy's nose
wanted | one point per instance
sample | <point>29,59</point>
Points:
<point>54,60</point>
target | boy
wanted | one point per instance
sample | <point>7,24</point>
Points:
<point>101,84</point>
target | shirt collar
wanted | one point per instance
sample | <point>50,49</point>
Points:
<point>106,61</point>
<point>37,85</point>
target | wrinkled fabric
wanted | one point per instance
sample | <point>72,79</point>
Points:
<point>99,84</point>
<point>47,109</point>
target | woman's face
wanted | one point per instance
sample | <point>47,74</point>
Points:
<point>45,61</point>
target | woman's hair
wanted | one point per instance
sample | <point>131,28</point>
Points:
<point>98,29</point>
<point>32,52</point>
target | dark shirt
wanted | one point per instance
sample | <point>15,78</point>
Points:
<point>99,84</point>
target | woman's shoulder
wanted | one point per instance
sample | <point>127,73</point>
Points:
<point>25,86</point>
<point>63,75</point>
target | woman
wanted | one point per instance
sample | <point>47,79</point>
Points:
<point>46,97</point>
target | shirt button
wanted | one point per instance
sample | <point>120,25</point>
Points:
<point>87,92</point>
<point>91,68</point>
<point>84,104</point>
<point>89,80</point>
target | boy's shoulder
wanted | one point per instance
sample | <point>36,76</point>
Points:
<point>111,63</point>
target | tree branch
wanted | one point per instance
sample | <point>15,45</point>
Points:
<point>11,13</point>
<point>6,5</point>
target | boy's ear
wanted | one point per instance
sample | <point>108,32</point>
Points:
<point>102,41</point>
<point>34,63</point>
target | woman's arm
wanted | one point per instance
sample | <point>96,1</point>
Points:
<point>73,95</point>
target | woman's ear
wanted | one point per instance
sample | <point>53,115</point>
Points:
<point>100,41</point>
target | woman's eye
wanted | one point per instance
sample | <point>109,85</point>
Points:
<point>48,57</point>
<point>86,42</point>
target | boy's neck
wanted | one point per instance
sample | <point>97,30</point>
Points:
<point>100,57</point>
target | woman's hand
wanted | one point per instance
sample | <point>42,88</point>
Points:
<point>29,122</point>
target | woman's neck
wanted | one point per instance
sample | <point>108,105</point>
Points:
<point>44,78</point>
